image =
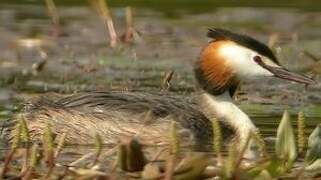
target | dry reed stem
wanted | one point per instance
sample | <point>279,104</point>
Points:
<point>98,145</point>
<point>129,25</point>
<point>170,166</point>
<point>25,140</point>
<point>33,162</point>
<point>14,146</point>
<point>311,56</point>
<point>235,158</point>
<point>61,144</point>
<point>53,14</point>
<point>174,145</point>
<point>81,159</point>
<point>166,80</point>
<point>103,11</point>
<point>48,145</point>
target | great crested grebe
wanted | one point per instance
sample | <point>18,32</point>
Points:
<point>228,59</point>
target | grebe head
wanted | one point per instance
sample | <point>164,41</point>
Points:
<point>230,58</point>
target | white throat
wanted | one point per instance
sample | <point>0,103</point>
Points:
<point>222,108</point>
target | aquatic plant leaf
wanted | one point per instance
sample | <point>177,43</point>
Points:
<point>285,145</point>
<point>314,146</point>
<point>256,168</point>
<point>277,166</point>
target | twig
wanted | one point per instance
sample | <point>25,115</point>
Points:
<point>53,13</point>
<point>81,159</point>
<point>98,145</point>
<point>48,144</point>
<point>14,147</point>
<point>170,163</point>
<point>167,79</point>
<point>61,143</point>
<point>102,9</point>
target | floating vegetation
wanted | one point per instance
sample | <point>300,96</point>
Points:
<point>132,161</point>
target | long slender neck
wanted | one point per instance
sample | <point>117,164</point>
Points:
<point>222,108</point>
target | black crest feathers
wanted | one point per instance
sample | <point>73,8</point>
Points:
<point>243,40</point>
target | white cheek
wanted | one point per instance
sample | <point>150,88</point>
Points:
<point>240,59</point>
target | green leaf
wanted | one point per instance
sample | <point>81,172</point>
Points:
<point>277,167</point>
<point>285,146</point>
<point>314,146</point>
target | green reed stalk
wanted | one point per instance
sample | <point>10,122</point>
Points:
<point>302,140</point>
<point>217,138</point>
<point>25,140</point>
<point>48,145</point>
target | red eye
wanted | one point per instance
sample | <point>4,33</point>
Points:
<point>257,59</point>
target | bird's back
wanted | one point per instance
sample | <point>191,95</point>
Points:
<point>114,115</point>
